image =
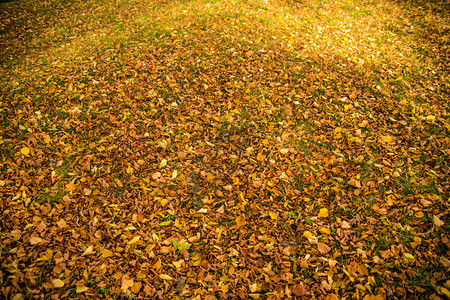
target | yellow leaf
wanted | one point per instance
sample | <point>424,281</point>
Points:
<point>25,150</point>
<point>88,250</point>
<point>71,187</point>
<point>164,201</point>
<point>419,214</point>
<point>260,157</point>
<point>348,274</point>
<point>132,133</point>
<point>254,287</point>
<point>165,223</point>
<point>284,151</point>
<point>118,182</point>
<point>273,215</point>
<point>81,289</point>
<point>35,240</point>
<point>409,256</point>
<point>224,288</point>
<point>57,283</point>
<point>134,240</point>
<point>163,163</point>
<point>174,174</point>
<point>431,118</point>
<point>165,277</point>
<point>323,213</point>
<point>324,230</point>
<point>107,253</point>
<point>308,234</point>
<point>240,221</point>
<point>47,139</point>
<point>388,139</point>
<point>338,129</point>
<point>101,148</point>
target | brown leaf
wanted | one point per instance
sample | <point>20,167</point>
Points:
<point>299,290</point>
<point>323,248</point>
<point>180,283</point>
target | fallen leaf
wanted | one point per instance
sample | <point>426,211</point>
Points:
<point>299,290</point>
<point>134,240</point>
<point>88,250</point>
<point>25,150</point>
<point>127,282</point>
<point>34,240</point>
<point>323,248</point>
<point>136,287</point>
<point>81,289</point>
<point>284,151</point>
<point>260,157</point>
<point>163,163</point>
<point>436,221</point>
<point>240,221</point>
<point>57,283</point>
<point>71,187</point>
<point>107,253</point>
<point>165,277</point>
<point>323,213</point>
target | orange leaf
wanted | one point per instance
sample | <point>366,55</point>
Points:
<point>260,157</point>
<point>71,187</point>
<point>240,221</point>
<point>323,213</point>
<point>107,253</point>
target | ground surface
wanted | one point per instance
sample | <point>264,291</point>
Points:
<point>224,149</point>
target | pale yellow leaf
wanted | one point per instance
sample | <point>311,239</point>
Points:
<point>81,289</point>
<point>134,240</point>
<point>409,256</point>
<point>284,151</point>
<point>438,222</point>
<point>57,283</point>
<point>88,250</point>
<point>163,163</point>
<point>35,240</point>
